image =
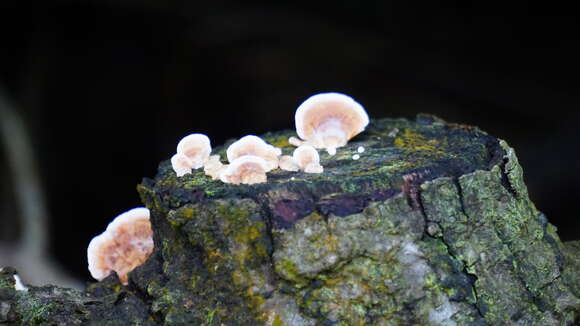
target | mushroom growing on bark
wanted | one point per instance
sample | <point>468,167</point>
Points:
<point>214,167</point>
<point>256,146</point>
<point>196,147</point>
<point>329,120</point>
<point>307,159</point>
<point>126,243</point>
<point>287,163</point>
<point>181,164</point>
<point>248,169</point>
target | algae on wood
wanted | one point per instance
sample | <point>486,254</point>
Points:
<point>431,226</point>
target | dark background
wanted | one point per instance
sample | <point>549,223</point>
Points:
<point>107,88</point>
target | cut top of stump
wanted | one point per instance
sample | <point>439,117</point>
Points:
<point>399,155</point>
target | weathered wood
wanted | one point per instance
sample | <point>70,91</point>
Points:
<point>431,226</point>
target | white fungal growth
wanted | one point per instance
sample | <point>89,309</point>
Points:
<point>96,256</point>
<point>360,149</point>
<point>247,169</point>
<point>307,159</point>
<point>287,163</point>
<point>329,120</point>
<point>18,285</point>
<point>214,167</point>
<point>355,157</point>
<point>255,146</point>
<point>126,243</point>
<point>196,147</point>
<point>181,164</point>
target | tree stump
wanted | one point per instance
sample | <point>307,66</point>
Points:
<point>432,225</point>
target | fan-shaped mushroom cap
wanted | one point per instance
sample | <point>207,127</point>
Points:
<point>126,243</point>
<point>181,164</point>
<point>329,120</point>
<point>307,159</point>
<point>196,147</point>
<point>214,167</point>
<point>247,169</point>
<point>287,163</point>
<point>256,146</point>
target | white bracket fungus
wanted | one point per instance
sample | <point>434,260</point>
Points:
<point>214,167</point>
<point>196,147</point>
<point>248,169</point>
<point>307,159</point>
<point>181,164</point>
<point>329,120</point>
<point>126,243</point>
<point>287,163</point>
<point>256,146</point>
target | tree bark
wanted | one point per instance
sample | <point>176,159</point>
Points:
<point>431,226</point>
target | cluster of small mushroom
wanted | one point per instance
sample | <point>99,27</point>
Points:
<point>326,120</point>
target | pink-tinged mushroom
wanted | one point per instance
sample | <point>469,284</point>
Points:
<point>287,163</point>
<point>255,146</point>
<point>307,159</point>
<point>126,243</point>
<point>181,164</point>
<point>247,169</point>
<point>295,141</point>
<point>214,167</point>
<point>329,120</point>
<point>196,147</point>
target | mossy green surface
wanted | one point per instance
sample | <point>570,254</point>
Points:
<point>431,226</point>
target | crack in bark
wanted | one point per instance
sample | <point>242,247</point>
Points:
<point>505,181</point>
<point>158,317</point>
<point>268,219</point>
<point>447,246</point>
<point>461,199</point>
<point>448,249</point>
<point>507,185</point>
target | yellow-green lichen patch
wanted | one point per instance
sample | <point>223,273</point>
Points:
<point>413,141</point>
<point>209,318</point>
<point>278,321</point>
<point>182,215</point>
<point>288,269</point>
<point>306,249</point>
<point>37,312</point>
<point>354,292</point>
<point>279,139</point>
<point>243,254</point>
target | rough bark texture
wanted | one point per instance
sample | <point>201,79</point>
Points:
<point>431,226</point>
